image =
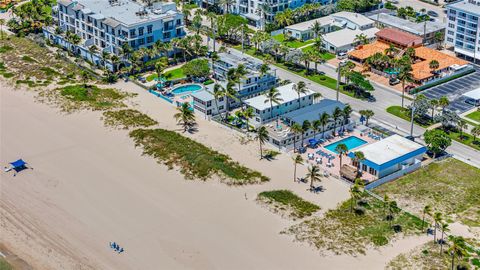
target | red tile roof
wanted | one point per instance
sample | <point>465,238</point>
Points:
<point>398,37</point>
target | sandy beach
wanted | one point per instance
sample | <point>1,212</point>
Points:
<point>90,186</point>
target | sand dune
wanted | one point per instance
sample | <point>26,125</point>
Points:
<point>90,186</point>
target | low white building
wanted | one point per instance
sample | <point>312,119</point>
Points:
<point>388,156</point>
<point>346,39</point>
<point>473,97</point>
<point>204,103</point>
<point>289,102</point>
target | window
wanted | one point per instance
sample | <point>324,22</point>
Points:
<point>364,167</point>
<point>140,31</point>
<point>220,108</point>
<point>179,22</point>
<point>149,39</point>
<point>132,43</point>
<point>141,41</point>
<point>179,32</point>
<point>166,35</point>
<point>132,32</point>
<point>372,171</point>
<point>149,29</point>
<point>209,103</point>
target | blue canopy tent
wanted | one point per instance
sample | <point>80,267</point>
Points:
<point>312,143</point>
<point>17,165</point>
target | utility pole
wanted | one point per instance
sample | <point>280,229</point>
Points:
<point>411,120</point>
<point>340,65</point>
<point>243,38</point>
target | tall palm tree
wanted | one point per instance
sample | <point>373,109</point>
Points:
<point>273,96</point>
<point>405,75</point>
<point>316,124</point>
<point>218,91</point>
<point>160,66</point>
<point>314,175</point>
<point>427,210</point>
<point>300,88</point>
<point>443,102</point>
<point>390,51</point>
<point>461,125</point>
<point>475,132</point>
<point>185,116</point>
<point>262,137</point>
<point>444,227</point>
<point>296,129</point>
<point>433,65</point>
<point>230,94</point>
<point>306,125</point>
<point>362,39</point>
<point>346,112</point>
<point>358,157</point>
<point>248,114</point>
<point>433,106</point>
<point>337,113</point>
<point>298,160</point>
<point>240,73</point>
<point>93,50</point>
<point>437,217</point>
<point>367,114</point>
<point>316,29</point>
<point>264,68</point>
<point>457,248</point>
<point>356,191</point>
<point>341,149</point>
<point>324,119</point>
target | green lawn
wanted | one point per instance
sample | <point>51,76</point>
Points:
<point>4,265</point>
<point>450,187</point>
<point>345,232</point>
<point>474,116</point>
<point>466,139</point>
<point>325,55</point>
<point>295,43</point>
<point>404,114</point>
<point>170,75</point>
<point>195,160</point>
<point>287,201</point>
<point>127,118</point>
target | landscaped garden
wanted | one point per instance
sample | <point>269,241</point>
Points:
<point>405,113</point>
<point>173,74</point>
<point>474,116</point>
<point>292,43</point>
<point>194,160</point>
<point>354,226</point>
<point>325,55</point>
<point>450,187</point>
<point>287,203</point>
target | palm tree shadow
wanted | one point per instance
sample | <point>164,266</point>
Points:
<point>318,189</point>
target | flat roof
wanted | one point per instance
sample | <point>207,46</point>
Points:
<point>406,25</point>
<point>286,93</point>
<point>304,26</point>
<point>252,64</point>
<point>347,36</point>
<point>389,149</point>
<point>474,94</point>
<point>125,11</point>
<point>355,18</point>
<point>314,111</point>
<point>472,7</point>
<point>203,95</point>
<point>398,37</point>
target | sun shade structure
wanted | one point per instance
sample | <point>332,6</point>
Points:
<point>18,164</point>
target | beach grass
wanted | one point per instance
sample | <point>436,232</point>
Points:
<point>127,118</point>
<point>342,231</point>
<point>4,265</point>
<point>288,202</point>
<point>76,97</point>
<point>449,186</point>
<point>31,64</point>
<point>430,256</point>
<point>195,160</point>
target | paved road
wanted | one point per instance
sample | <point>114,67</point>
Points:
<point>385,98</point>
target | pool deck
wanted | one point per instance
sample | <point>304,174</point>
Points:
<point>335,169</point>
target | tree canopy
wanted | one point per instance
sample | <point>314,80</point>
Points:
<point>197,68</point>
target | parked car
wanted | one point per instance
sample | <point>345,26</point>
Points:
<point>432,13</point>
<point>342,55</point>
<point>321,72</point>
<point>394,81</point>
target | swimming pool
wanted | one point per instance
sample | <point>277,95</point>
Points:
<point>186,88</point>
<point>351,143</point>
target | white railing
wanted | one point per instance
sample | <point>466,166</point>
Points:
<point>405,170</point>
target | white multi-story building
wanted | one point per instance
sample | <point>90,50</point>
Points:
<point>109,24</point>
<point>463,29</point>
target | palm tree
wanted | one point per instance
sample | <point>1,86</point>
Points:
<point>296,129</point>
<point>433,106</point>
<point>262,137</point>
<point>264,68</point>
<point>443,102</point>
<point>347,110</point>
<point>444,228</point>
<point>316,29</point>
<point>341,149</point>
<point>461,125</point>
<point>298,160</point>
<point>240,73</point>
<point>433,65</point>
<point>324,119</point>
<point>457,248</point>
<point>93,50</point>
<point>367,114</point>
<point>427,210</point>
<point>404,75</point>
<point>337,113</point>
<point>273,96</point>
<point>314,175</point>
<point>300,88</point>
<point>185,116</point>
<point>115,61</point>
<point>248,114</point>
<point>316,124</point>
<point>306,125</point>
<point>358,157</point>
<point>437,217</point>
<point>356,191</point>
<point>362,39</point>
<point>218,91</point>
<point>475,132</point>
<point>230,93</point>
<point>160,66</point>
<point>390,51</point>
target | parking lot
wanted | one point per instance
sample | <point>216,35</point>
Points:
<point>453,90</point>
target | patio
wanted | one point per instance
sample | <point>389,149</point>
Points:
<point>329,162</point>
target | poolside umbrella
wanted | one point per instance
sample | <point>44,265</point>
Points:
<point>312,142</point>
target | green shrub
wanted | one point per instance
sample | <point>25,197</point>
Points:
<point>300,208</point>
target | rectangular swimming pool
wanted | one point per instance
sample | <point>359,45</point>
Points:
<point>351,143</point>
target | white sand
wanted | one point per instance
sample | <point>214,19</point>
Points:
<point>90,186</point>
